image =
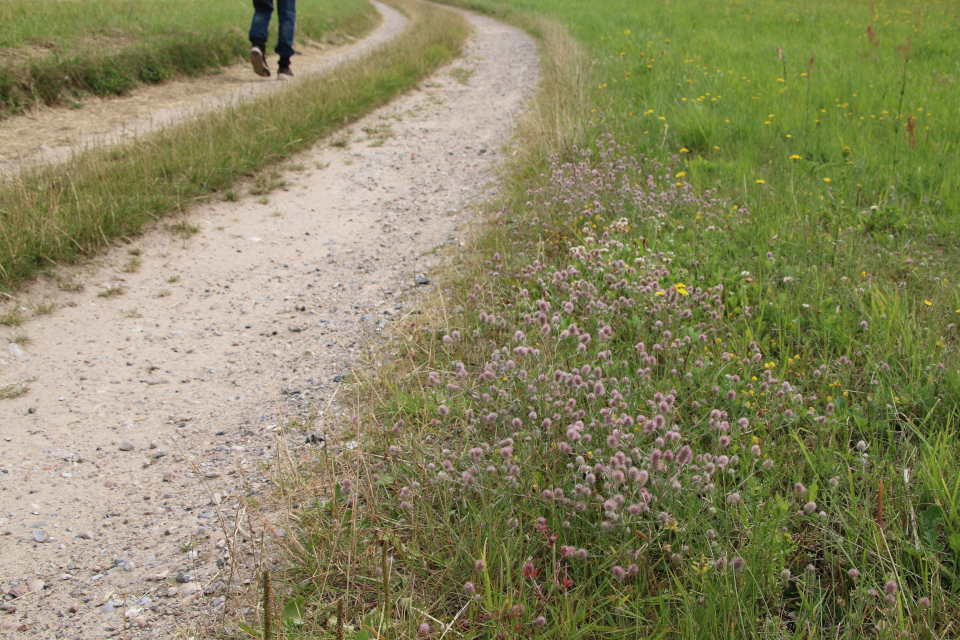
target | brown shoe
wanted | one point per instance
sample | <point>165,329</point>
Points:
<point>257,59</point>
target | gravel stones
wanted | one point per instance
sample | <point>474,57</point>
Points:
<point>126,445</point>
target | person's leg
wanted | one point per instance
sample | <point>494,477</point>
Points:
<point>262,12</point>
<point>287,18</point>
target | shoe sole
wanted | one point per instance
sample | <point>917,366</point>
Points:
<point>259,66</point>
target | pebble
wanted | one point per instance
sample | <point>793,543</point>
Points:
<point>126,445</point>
<point>41,536</point>
<point>421,279</point>
<point>35,585</point>
<point>159,453</point>
<point>188,589</point>
<point>172,591</point>
<point>184,578</point>
<point>15,350</point>
<point>85,535</point>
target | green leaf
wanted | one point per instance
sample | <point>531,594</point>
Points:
<point>248,630</point>
<point>363,634</point>
<point>293,612</point>
<point>386,479</point>
<point>955,542</point>
<point>930,521</point>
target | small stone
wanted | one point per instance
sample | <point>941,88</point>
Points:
<point>159,453</point>
<point>421,279</point>
<point>153,444</point>
<point>172,591</point>
<point>74,608</point>
<point>206,514</point>
<point>40,536</point>
<point>367,317</point>
<point>188,589</point>
<point>315,438</point>
<point>184,578</point>
<point>169,477</point>
<point>85,535</point>
<point>35,585</point>
<point>126,445</point>
<point>109,608</point>
<point>14,350</point>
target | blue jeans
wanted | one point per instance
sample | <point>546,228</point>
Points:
<point>286,15</point>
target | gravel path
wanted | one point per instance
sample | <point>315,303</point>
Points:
<point>51,134</point>
<point>150,412</point>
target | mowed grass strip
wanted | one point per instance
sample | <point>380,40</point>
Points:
<point>60,213</point>
<point>687,392</point>
<point>56,52</point>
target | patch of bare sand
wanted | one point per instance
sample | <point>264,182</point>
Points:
<point>152,414</point>
<point>51,133</point>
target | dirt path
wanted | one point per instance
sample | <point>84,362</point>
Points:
<point>147,407</point>
<point>50,134</point>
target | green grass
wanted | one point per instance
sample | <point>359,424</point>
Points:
<point>55,51</point>
<point>61,213</point>
<point>796,338</point>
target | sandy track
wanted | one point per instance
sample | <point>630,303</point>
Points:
<point>215,341</point>
<point>51,134</point>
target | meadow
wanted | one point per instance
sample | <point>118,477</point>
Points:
<point>698,375</point>
<point>54,52</point>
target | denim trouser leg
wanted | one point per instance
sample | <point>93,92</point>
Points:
<point>262,11</point>
<point>287,16</point>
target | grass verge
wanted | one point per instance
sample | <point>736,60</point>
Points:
<point>663,407</point>
<point>57,51</point>
<point>60,213</point>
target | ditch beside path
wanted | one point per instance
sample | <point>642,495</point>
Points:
<point>152,411</point>
<point>51,134</point>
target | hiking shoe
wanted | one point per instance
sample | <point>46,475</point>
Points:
<point>258,60</point>
<point>284,72</point>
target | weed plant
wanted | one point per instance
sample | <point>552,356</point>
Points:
<point>672,402</point>
<point>55,51</point>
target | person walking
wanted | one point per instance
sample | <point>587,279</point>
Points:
<point>287,17</point>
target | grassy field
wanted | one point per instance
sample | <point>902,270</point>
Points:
<point>54,51</point>
<point>702,381</point>
<point>61,213</point>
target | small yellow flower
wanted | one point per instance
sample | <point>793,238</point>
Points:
<point>681,174</point>
<point>927,302</point>
<point>661,293</point>
<point>684,150</point>
<point>681,288</point>
<point>826,179</point>
<point>761,182</point>
<point>794,157</point>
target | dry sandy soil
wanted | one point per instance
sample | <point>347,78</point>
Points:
<point>151,413</point>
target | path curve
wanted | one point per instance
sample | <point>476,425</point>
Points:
<point>147,408</point>
<point>52,134</point>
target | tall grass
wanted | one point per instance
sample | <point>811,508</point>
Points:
<point>60,213</point>
<point>54,50</point>
<point>689,392</point>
